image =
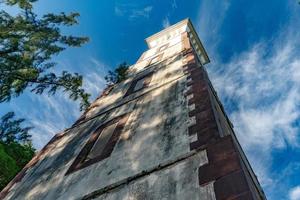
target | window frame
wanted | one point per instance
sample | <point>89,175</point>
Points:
<point>158,57</point>
<point>81,161</point>
<point>147,82</point>
<point>163,47</point>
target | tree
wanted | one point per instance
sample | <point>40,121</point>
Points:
<point>11,130</point>
<point>8,167</point>
<point>15,147</point>
<point>118,75</point>
<point>27,45</point>
<point>13,157</point>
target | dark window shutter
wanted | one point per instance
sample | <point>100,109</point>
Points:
<point>100,144</point>
<point>143,82</point>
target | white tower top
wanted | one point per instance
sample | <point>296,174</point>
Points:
<point>176,29</point>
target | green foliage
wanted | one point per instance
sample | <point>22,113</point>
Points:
<point>118,75</point>
<point>21,3</point>
<point>27,45</point>
<point>21,153</point>
<point>11,130</point>
<point>13,157</point>
<point>15,147</point>
<point>8,167</point>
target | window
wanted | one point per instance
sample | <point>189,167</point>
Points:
<point>101,143</point>
<point>155,59</point>
<point>162,48</point>
<point>139,83</point>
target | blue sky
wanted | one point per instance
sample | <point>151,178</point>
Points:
<point>254,47</point>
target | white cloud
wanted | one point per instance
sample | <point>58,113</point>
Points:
<point>143,12</point>
<point>252,79</point>
<point>174,4</point>
<point>166,22</point>
<point>210,18</point>
<point>266,93</point>
<point>119,11</point>
<point>47,114</point>
<point>294,193</point>
<point>132,11</point>
<point>262,84</point>
<point>101,66</point>
<point>50,115</point>
<point>94,81</point>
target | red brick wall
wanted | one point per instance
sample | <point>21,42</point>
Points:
<point>224,168</point>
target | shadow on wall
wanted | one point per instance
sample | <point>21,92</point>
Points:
<point>155,111</point>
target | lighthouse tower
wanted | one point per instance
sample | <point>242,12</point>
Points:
<point>160,134</point>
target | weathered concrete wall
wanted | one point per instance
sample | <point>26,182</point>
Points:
<point>156,133</point>
<point>178,181</point>
<point>169,69</point>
